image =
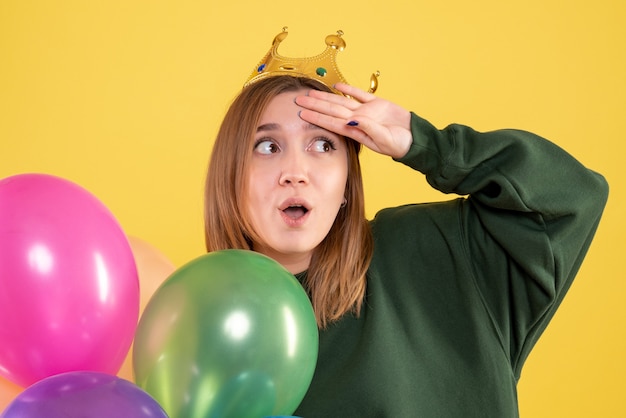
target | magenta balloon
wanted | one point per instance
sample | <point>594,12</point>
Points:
<point>69,292</point>
<point>83,394</point>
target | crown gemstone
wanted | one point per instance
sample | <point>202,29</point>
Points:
<point>261,68</point>
<point>321,71</point>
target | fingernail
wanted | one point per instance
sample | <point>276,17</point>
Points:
<point>353,123</point>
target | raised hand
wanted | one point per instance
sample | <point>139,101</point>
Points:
<point>379,124</point>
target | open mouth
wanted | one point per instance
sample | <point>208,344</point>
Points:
<point>295,211</point>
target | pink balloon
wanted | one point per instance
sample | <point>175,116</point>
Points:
<point>69,291</point>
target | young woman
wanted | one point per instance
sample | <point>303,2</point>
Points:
<point>428,310</point>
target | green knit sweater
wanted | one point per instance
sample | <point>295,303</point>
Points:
<point>458,292</point>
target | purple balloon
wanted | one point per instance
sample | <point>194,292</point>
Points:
<point>83,394</point>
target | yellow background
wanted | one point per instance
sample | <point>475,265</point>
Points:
<point>124,97</point>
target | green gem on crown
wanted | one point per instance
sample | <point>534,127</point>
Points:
<point>321,71</point>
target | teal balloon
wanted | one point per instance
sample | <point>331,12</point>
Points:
<point>229,334</point>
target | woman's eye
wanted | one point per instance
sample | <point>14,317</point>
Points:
<point>266,147</point>
<point>322,145</point>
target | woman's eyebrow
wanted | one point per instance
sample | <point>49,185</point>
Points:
<point>274,126</point>
<point>267,127</point>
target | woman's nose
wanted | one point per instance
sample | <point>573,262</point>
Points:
<point>294,171</point>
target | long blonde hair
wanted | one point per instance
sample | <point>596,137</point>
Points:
<point>336,278</point>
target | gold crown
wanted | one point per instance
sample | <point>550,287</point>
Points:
<point>322,67</point>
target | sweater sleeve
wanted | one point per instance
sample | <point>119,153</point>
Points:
<point>528,220</point>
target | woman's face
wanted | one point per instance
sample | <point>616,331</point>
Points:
<point>297,179</point>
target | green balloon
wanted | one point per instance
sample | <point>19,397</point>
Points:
<point>229,334</point>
